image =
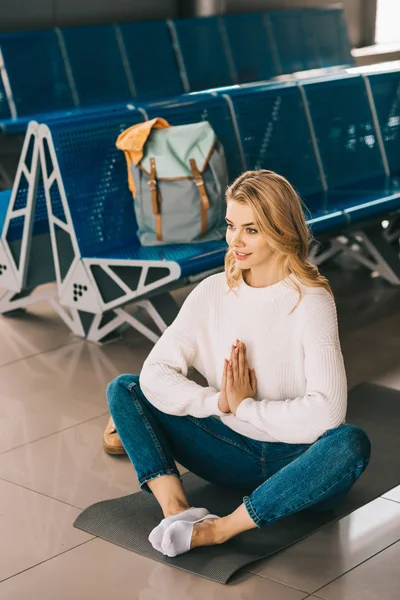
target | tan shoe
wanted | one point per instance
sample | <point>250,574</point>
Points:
<point>111,441</point>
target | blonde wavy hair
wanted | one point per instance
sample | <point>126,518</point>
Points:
<point>279,215</point>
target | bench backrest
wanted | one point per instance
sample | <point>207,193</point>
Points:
<point>5,112</point>
<point>204,53</point>
<point>36,71</point>
<point>275,134</point>
<point>294,46</point>
<point>94,176</point>
<point>4,202</point>
<point>386,94</point>
<point>310,38</point>
<point>204,107</point>
<point>56,70</point>
<point>250,45</point>
<point>344,127</point>
<point>152,59</point>
<point>328,29</point>
<point>96,64</point>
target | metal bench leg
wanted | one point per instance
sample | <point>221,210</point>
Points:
<point>392,232</point>
<point>371,248</point>
<point>162,309</point>
<point>320,253</point>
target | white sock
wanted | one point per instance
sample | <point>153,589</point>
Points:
<point>192,514</point>
<point>178,536</point>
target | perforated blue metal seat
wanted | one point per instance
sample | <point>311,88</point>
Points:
<point>95,181</point>
<point>4,202</point>
<point>295,47</point>
<point>386,94</point>
<point>203,107</point>
<point>310,38</point>
<point>36,72</point>
<point>152,59</point>
<point>275,135</point>
<point>96,64</point>
<point>327,28</point>
<point>100,202</point>
<point>250,44</point>
<point>5,112</point>
<point>349,149</point>
<point>192,258</point>
<point>204,53</point>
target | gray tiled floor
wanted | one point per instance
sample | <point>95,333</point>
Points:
<point>52,415</point>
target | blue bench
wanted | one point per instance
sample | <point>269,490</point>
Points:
<point>107,267</point>
<point>309,39</point>
<point>323,137</point>
<point>349,148</point>
<point>386,96</point>
<point>98,73</point>
<point>250,42</point>
<point>36,72</point>
<point>206,59</point>
<point>275,134</point>
<point>152,60</point>
<point>356,168</point>
<point>301,130</point>
<point>54,72</point>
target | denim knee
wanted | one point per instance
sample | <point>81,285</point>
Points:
<point>117,387</point>
<point>355,442</point>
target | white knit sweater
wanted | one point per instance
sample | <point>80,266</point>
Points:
<point>301,379</point>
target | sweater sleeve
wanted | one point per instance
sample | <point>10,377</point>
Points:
<point>305,418</point>
<point>163,378</point>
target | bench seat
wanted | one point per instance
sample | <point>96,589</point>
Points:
<point>192,258</point>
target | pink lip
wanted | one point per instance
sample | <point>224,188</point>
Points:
<point>241,257</point>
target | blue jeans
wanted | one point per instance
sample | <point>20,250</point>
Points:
<point>280,478</point>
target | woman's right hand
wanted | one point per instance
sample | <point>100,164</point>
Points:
<point>223,400</point>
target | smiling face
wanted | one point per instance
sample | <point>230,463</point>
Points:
<point>243,235</point>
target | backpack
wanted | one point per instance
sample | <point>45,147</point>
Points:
<point>178,177</point>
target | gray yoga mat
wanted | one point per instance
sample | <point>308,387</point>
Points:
<point>127,521</point>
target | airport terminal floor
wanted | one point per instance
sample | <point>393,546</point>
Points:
<point>206,102</point>
<point>52,465</point>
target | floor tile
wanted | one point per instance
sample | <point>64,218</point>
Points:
<point>72,466</point>
<point>394,494</point>
<point>100,571</point>
<point>50,392</point>
<point>380,365</point>
<point>37,329</point>
<point>33,528</point>
<point>335,548</point>
<point>376,579</point>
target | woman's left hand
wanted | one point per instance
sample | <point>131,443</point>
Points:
<point>241,381</point>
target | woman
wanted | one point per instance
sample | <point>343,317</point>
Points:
<point>281,435</point>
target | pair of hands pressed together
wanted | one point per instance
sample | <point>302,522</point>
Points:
<point>238,381</point>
